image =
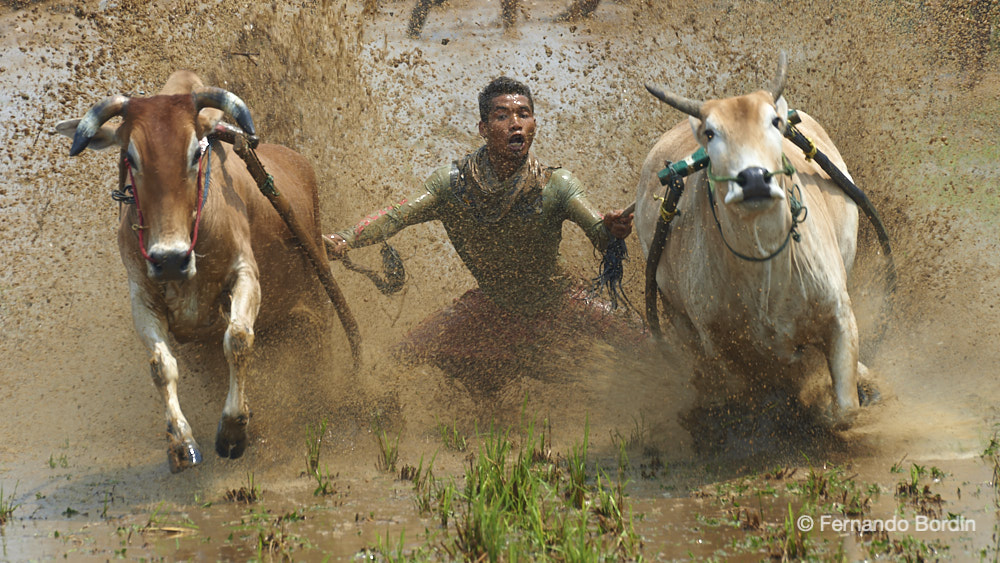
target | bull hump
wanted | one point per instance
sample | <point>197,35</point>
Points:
<point>181,82</point>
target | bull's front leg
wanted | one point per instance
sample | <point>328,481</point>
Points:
<point>183,451</point>
<point>231,437</point>
<point>843,361</point>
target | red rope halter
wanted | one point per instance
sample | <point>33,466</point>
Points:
<point>202,185</point>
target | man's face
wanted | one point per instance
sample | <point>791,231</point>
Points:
<point>509,128</point>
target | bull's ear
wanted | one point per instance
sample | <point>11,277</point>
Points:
<point>106,136</point>
<point>782,107</point>
<point>695,126</point>
<point>207,120</point>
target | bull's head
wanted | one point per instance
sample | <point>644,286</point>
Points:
<point>159,138</point>
<point>742,137</point>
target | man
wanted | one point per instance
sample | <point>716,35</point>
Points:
<point>503,212</point>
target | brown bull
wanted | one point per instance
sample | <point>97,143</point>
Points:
<point>745,272</point>
<point>206,258</point>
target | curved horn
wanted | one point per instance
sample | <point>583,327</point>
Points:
<point>686,105</point>
<point>228,102</point>
<point>779,81</point>
<point>93,119</point>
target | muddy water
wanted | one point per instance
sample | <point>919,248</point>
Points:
<point>911,105</point>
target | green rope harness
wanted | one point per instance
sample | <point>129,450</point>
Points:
<point>699,160</point>
<point>787,170</point>
<point>798,210</point>
<point>799,214</point>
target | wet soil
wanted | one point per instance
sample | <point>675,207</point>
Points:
<point>909,95</point>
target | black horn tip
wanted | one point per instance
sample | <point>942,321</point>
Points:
<point>80,142</point>
<point>245,122</point>
<point>77,149</point>
<point>227,102</point>
<point>654,91</point>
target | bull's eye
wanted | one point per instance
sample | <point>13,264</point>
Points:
<point>196,157</point>
<point>776,122</point>
<point>709,134</point>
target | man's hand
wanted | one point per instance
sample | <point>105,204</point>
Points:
<point>336,246</point>
<point>619,224</point>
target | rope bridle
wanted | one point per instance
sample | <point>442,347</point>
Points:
<point>798,210</point>
<point>128,195</point>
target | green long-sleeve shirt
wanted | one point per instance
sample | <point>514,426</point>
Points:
<point>515,259</point>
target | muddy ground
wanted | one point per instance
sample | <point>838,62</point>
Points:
<point>909,92</point>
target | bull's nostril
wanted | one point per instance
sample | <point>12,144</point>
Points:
<point>156,259</point>
<point>754,175</point>
<point>170,265</point>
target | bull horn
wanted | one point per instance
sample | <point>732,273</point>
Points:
<point>211,97</point>
<point>779,81</point>
<point>686,105</point>
<point>95,117</point>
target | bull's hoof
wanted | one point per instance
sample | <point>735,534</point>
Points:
<point>231,437</point>
<point>868,393</point>
<point>840,420</point>
<point>183,455</point>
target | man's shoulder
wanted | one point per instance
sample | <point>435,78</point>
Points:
<point>562,179</point>
<point>442,171</point>
<point>440,179</point>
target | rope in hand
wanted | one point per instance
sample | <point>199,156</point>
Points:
<point>612,269</point>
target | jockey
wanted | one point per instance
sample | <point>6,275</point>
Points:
<point>503,212</point>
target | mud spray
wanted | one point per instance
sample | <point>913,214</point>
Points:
<point>909,95</point>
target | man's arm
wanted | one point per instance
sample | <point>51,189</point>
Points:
<point>388,221</point>
<point>600,229</point>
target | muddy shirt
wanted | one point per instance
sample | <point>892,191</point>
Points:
<point>513,252</point>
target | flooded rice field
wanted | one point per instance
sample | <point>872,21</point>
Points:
<point>389,462</point>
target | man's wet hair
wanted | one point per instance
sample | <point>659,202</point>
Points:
<point>500,87</point>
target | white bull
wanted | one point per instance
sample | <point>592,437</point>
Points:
<point>730,277</point>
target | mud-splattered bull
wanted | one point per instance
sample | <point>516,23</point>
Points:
<point>200,243</point>
<point>729,274</point>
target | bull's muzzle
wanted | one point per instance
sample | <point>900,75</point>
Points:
<point>171,265</point>
<point>755,183</point>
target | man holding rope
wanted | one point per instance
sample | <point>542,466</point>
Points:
<point>503,212</point>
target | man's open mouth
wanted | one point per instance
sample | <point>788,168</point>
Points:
<point>516,142</point>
